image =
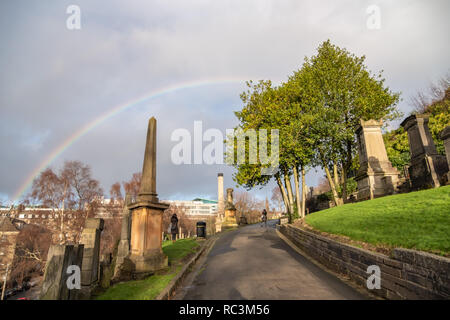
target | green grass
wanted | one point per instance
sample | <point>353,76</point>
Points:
<point>149,288</point>
<point>180,249</point>
<point>417,220</point>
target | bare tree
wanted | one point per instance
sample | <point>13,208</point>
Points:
<point>115,192</point>
<point>247,205</point>
<point>78,176</point>
<point>73,187</point>
<point>47,188</point>
<point>277,199</point>
<point>435,92</point>
<point>31,252</point>
<point>133,185</point>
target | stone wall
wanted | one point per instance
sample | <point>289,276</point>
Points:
<point>408,274</point>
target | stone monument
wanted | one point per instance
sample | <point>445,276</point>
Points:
<point>57,272</point>
<point>230,211</point>
<point>376,176</point>
<point>90,238</point>
<point>146,252</point>
<point>445,135</point>
<point>123,249</point>
<point>427,167</point>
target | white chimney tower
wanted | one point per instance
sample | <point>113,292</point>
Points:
<point>220,202</point>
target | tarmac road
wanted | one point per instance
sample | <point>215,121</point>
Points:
<point>253,263</point>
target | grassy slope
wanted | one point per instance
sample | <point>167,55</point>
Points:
<point>149,288</point>
<point>418,220</point>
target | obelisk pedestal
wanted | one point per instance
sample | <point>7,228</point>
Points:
<point>230,211</point>
<point>376,177</point>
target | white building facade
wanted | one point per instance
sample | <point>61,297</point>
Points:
<point>196,207</point>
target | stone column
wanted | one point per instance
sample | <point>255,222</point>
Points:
<point>445,135</point>
<point>376,176</point>
<point>230,211</point>
<point>146,228</point>
<point>59,259</point>
<point>90,238</point>
<point>220,202</point>
<point>427,166</point>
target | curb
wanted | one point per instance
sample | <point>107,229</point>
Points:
<point>175,282</point>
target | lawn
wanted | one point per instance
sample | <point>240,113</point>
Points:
<point>149,288</point>
<point>417,220</point>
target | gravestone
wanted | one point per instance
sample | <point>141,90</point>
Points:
<point>59,259</point>
<point>90,238</point>
<point>445,135</point>
<point>146,253</point>
<point>376,176</point>
<point>230,211</point>
<point>105,270</point>
<point>427,167</point>
<point>123,249</point>
<point>218,223</point>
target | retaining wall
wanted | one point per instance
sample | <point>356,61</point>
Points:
<point>408,274</point>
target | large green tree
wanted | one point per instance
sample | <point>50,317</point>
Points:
<point>339,91</point>
<point>316,113</point>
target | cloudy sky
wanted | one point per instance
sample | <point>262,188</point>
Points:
<point>54,81</point>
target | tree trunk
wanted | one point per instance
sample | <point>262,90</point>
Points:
<point>336,175</point>
<point>283,193</point>
<point>337,200</point>
<point>297,191</point>
<point>345,168</point>
<point>303,193</point>
<point>287,181</point>
<point>344,184</point>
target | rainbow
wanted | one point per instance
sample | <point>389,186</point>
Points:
<point>109,114</point>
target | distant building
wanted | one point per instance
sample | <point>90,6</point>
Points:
<point>196,207</point>
<point>8,238</point>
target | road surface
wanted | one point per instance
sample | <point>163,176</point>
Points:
<point>254,263</point>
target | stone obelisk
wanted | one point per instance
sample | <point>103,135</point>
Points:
<point>146,215</point>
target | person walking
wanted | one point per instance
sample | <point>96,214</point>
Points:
<point>174,227</point>
<point>264,218</point>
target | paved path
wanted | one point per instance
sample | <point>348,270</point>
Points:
<point>254,263</point>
